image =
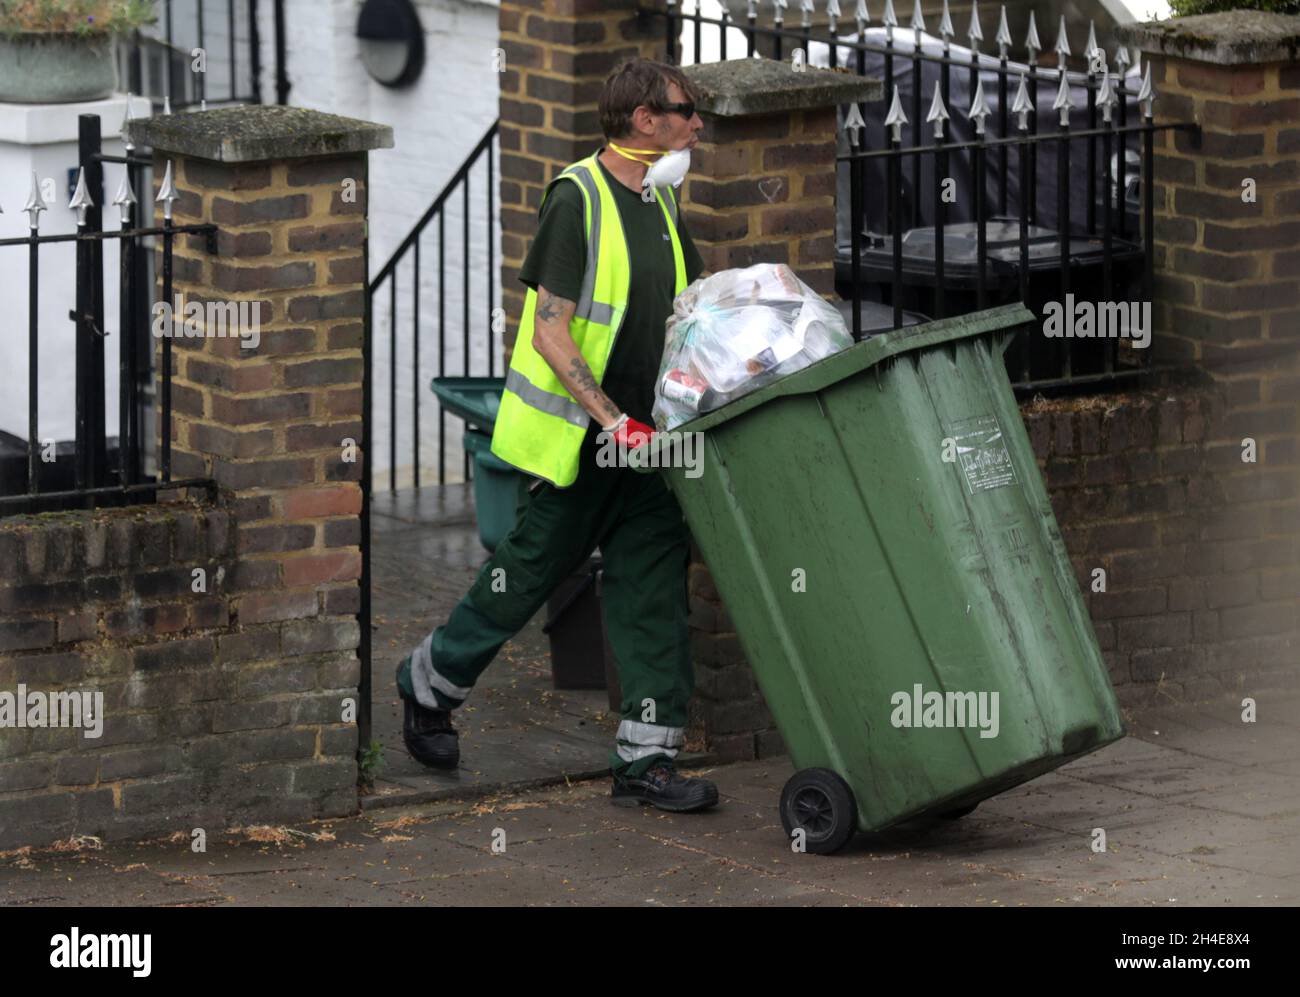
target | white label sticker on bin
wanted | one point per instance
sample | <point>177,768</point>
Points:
<point>982,453</point>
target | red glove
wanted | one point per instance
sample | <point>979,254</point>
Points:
<point>630,433</point>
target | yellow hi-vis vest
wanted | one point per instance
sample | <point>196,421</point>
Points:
<point>540,427</point>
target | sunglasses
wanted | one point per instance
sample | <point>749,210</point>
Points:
<point>686,110</point>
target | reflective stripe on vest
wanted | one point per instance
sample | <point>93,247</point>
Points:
<point>540,426</point>
<point>565,408</point>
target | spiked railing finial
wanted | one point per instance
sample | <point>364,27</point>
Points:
<point>1003,37</point>
<point>167,192</point>
<point>35,204</point>
<point>938,112</point>
<point>1147,95</point>
<point>1031,40</point>
<point>979,108</point>
<point>1062,43</point>
<point>973,33</point>
<point>1106,96</point>
<point>945,26</point>
<point>125,197</point>
<point>1062,102</point>
<point>81,202</point>
<point>1022,106</point>
<point>896,119</point>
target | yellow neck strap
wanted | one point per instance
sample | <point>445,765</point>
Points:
<point>624,153</point>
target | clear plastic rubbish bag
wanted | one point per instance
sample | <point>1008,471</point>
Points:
<point>737,330</point>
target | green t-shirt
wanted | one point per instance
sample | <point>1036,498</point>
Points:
<point>557,259</point>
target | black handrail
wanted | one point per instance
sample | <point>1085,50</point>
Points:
<point>435,207</point>
<point>410,247</point>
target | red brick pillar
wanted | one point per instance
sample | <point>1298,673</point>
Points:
<point>762,182</point>
<point>1227,257</point>
<point>275,418</point>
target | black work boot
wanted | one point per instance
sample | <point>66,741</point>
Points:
<point>662,787</point>
<point>428,734</point>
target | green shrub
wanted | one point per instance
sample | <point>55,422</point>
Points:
<point>73,17</point>
<point>1185,8</point>
<point>370,764</point>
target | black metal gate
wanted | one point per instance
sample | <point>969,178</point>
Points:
<point>104,469</point>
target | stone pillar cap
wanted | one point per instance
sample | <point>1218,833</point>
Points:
<point>740,87</point>
<point>258,132</point>
<point>1230,38</point>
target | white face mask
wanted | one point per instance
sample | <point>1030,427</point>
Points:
<point>669,170</point>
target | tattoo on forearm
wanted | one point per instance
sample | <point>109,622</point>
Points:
<point>549,306</point>
<point>581,373</point>
<point>586,380</point>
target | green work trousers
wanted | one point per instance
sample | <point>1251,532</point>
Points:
<point>636,522</point>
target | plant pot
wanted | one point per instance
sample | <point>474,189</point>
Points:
<point>42,68</point>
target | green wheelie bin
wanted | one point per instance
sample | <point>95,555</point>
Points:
<point>879,532</point>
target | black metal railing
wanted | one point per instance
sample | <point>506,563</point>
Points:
<point>96,478</point>
<point>475,320</point>
<point>897,150</point>
<point>157,63</point>
<point>1025,367</point>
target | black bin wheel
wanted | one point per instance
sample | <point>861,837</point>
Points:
<point>821,803</point>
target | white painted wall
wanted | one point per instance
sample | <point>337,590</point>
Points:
<point>436,124</point>
<point>44,138</point>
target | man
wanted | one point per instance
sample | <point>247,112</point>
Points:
<point>611,253</point>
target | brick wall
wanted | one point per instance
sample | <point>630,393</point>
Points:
<point>207,721</point>
<point>1227,266</point>
<point>225,693</point>
<point>1196,602</point>
<point>759,192</point>
<point>1228,301</point>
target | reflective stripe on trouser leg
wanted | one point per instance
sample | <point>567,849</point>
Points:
<point>425,678</point>
<point>555,530</point>
<point>637,740</point>
<point>644,593</point>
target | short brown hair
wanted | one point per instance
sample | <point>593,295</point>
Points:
<point>636,82</point>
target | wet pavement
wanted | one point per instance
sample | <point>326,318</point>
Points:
<point>515,729</point>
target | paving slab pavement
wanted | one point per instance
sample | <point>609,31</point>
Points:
<point>1197,810</point>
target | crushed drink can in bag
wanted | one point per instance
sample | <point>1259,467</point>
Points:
<point>685,388</point>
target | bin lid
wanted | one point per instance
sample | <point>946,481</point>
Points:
<point>961,245</point>
<point>838,366</point>
<point>474,399</point>
<point>875,316</point>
